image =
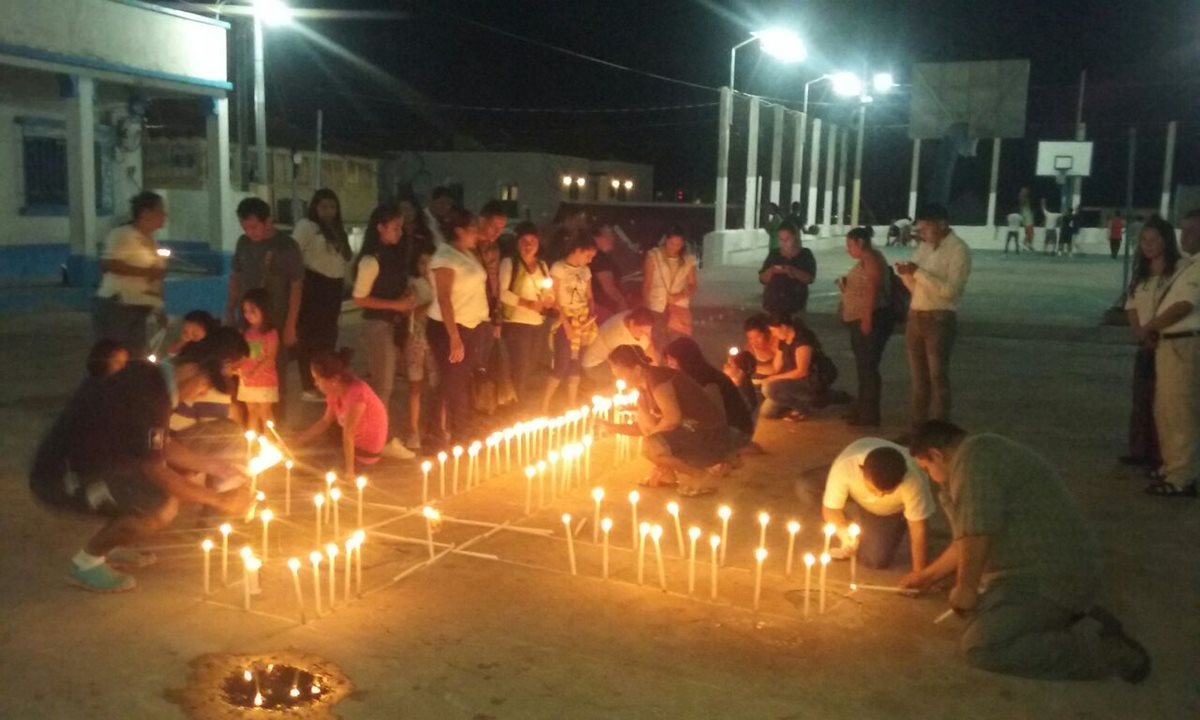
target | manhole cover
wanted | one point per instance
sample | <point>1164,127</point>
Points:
<point>284,684</point>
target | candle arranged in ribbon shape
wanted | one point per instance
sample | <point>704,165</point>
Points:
<point>294,566</point>
<point>566,520</point>
<point>606,526</point>
<point>793,527</point>
<point>724,512</point>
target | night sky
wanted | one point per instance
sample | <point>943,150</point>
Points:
<point>438,76</point>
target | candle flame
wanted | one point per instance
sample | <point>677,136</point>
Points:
<point>293,564</point>
<point>330,477</point>
<point>643,529</point>
<point>331,550</point>
<point>246,552</point>
<point>441,456</point>
<point>248,676</point>
<point>250,435</point>
<point>793,527</point>
<point>634,496</point>
<point>606,524</point>
<point>226,528</point>
<point>318,499</point>
<point>530,471</point>
<point>294,692</point>
<point>314,557</point>
<point>763,518</point>
<point>267,516</point>
<point>335,494</point>
<point>724,512</point>
<point>207,545</point>
<point>566,518</point>
<point>694,532</point>
<point>360,482</point>
<point>673,508</point>
<point>597,494</point>
<point>541,466</point>
<point>733,352</point>
<point>258,699</point>
<point>360,536</point>
<point>426,466</point>
<point>854,530</point>
<point>809,560</point>
<point>825,558</point>
<point>587,441</point>
<point>829,529</point>
<point>714,540</point>
<point>760,554</point>
<point>253,564</point>
<point>656,532</point>
<point>458,451</point>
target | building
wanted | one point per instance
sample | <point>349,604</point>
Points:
<point>75,78</point>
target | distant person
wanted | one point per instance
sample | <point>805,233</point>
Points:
<point>903,227</point>
<point>526,293</point>
<point>441,201</point>
<point>269,259</point>
<point>1116,232</point>
<point>793,215</point>
<point>259,386</point>
<point>490,385</point>
<point>1025,561</point>
<point>325,247</point>
<point>1051,222</point>
<point>575,327</point>
<point>867,314</point>
<point>668,284</point>
<point>354,408</point>
<point>936,276</point>
<point>772,219</point>
<point>131,287</point>
<point>196,325</point>
<point>786,274</point>
<point>418,235</point>
<point>1013,235</point>
<point>606,275</point>
<point>1175,330</point>
<point>420,367</point>
<point>1027,215</point>
<point>1066,234</point>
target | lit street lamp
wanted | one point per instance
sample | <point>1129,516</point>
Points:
<point>273,13</point>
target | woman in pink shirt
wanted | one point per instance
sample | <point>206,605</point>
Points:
<point>354,406</point>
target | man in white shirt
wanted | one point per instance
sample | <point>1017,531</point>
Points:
<point>1176,325</point>
<point>632,327</point>
<point>936,276</point>
<point>892,493</point>
<point>131,288</point>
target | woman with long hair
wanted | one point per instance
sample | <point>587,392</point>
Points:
<point>668,284</point>
<point>575,328</point>
<point>325,248</point>
<point>524,298</point>
<point>789,391</point>
<point>684,354</point>
<point>131,288</point>
<point>354,407</point>
<point>867,314</point>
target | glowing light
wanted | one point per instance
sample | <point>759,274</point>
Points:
<point>882,82</point>
<point>782,44</point>
<point>272,12</point>
<point>846,84</point>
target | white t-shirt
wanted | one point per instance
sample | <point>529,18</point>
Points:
<point>1015,221</point>
<point>528,288</point>
<point>365,277</point>
<point>941,274</point>
<point>1184,288</point>
<point>912,495</point>
<point>126,244</point>
<point>1145,295</point>
<point>468,294</point>
<point>571,285</point>
<point>613,333</point>
<point>670,277</point>
<point>318,256</point>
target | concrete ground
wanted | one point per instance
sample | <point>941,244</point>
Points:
<point>518,637</point>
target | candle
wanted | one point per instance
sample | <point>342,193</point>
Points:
<point>335,496</point>
<point>330,479</point>
<point>315,558</point>
<point>472,464</point>
<point>587,458</point>
<point>349,556</point>
<point>598,497</point>
<point>457,452</point>
<point>809,561</point>
<point>793,527</point>
<point>287,488</point>
<point>331,551</point>
<point>207,547</point>
<point>426,466</point>
<point>673,511</point>
<point>606,526</point>
<point>294,566</point>
<point>824,567</point>
<point>250,578</point>
<point>830,529</point>
<point>656,535</point>
<point>763,520</point>
<point>489,444</point>
<point>431,516</point>
<point>226,528</point>
<point>319,501</point>
<point>508,433</point>
<point>643,530</point>
<point>724,512</point>
<point>267,517</point>
<point>733,352</point>
<point>634,496</point>
<point>360,538</point>
<point>714,541</point>
<point>552,456</point>
<point>541,474</point>
<point>760,555</point>
<point>693,536</point>
<point>250,435</point>
<point>529,473</point>
<point>441,456</point>
<point>854,531</point>
<point>360,482</point>
<point>566,518</point>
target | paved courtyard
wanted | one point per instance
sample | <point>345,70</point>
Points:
<point>508,633</point>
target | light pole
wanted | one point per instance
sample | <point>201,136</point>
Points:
<point>880,83</point>
<point>273,13</point>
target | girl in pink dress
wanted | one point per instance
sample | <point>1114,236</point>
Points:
<point>259,388</point>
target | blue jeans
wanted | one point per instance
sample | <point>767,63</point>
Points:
<point>781,396</point>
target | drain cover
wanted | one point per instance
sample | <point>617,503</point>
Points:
<point>284,684</point>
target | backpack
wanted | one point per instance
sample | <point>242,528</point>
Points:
<point>899,296</point>
<point>822,371</point>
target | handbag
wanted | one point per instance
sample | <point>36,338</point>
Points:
<point>679,319</point>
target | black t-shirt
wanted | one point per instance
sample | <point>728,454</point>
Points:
<point>789,350</point>
<point>784,294</point>
<point>603,262</point>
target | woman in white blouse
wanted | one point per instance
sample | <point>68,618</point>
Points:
<point>668,283</point>
<point>326,250</point>
<point>525,294</point>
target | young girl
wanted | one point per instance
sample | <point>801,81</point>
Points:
<point>418,357</point>
<point>259,388</point>
<point>575,327</point>
<point>668,283</point>
<point>197,325</point>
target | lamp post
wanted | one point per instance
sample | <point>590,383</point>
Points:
<point>273,13</point>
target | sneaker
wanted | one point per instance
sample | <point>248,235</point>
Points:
<point>396,450</point>
<point>312,396</point>
<point>130,559</point>
<point>101,579</point>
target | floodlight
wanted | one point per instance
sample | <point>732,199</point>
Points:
<point>882,82</point>
<point>846,84</point>
<point>782,44</point>
<point>272,12</point>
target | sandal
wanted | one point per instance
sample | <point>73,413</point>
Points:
<point>693,491</point>
<point>658,479</point>
<point>1162,488</point>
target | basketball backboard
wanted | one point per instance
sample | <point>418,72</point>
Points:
<point>1063,158</point>
<point>988,97</point>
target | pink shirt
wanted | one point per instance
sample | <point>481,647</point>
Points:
<point>372,433</point>
<point>257,372</point>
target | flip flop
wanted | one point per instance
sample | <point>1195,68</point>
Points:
<point>1163,488</point>
<point>655,480</point>
<point>691,491</point>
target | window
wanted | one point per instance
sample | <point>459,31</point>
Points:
<point>44,167</point>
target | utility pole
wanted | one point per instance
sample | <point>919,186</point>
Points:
<point>1129,239</point>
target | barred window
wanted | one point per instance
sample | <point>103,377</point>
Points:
<point>44,167</point>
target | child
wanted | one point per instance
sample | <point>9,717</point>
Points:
<point>259,388</point>
<point>197,325</point>
<point>107,357</point>
<point>417,355</point>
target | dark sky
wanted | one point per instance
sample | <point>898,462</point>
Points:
<point>425,74</point>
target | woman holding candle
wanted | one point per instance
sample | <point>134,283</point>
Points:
<point>350,403</point>
<point>524,298</point>
<point>668,284</point>
<point>575,328</point>
<point>866,311</point>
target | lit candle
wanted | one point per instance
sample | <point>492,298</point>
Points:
<point>587,458</point>
<point>331,551</point>
<point>714,542</point>
<point>508,433</point>
<point>294,566</point>
<point>673,511</point>
<point>733,352</point>
<point>250,436</point>
<point>606,526</point>
<point>830,529</point>
<point>541,473</point>
<point>760,555</point>
<point>319,501</point>
<point>335,496</point>
<point>490,443</point>
<point>426,466</point>
<point>225,528</point>
<point>693,536</point>
<point>634,496</point>
<point>809,561</point>
<point>287,488</point>
<point>598,497</point>
<point>656,535</point>
<point>330,479</point>
<point>643,530</point>
<point>360,539</point>
<point>793,527</point>
<point>724,512</point>
<point>252,566</point>
<point>267,517</point>
<point>552,456</point>
<point>441,456</point>
<point>854,531</point>
<point>346,570</point>
<point>472,464</point>
<point>360,482</point>
<point>566,519</point>
<point>763,520</point>
<point>431,516</point>
<point>207,547</point>
<point>824,567</point>
<point>529,473</point>
<point>315,558</point>
<point>457,451</point>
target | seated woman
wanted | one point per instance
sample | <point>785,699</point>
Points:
<point>684,354</point>
<point>354,406</point>
<point>684,429</point>
<point>789,391</point>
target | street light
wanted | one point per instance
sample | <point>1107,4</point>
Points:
<point>780,43</point>
<point>882,82</point>
<point>274,13</point>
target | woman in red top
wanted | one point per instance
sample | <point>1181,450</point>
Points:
<point>354,406</point>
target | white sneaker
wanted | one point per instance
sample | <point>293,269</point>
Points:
<point>312,396</point>
<point>395,449</point>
